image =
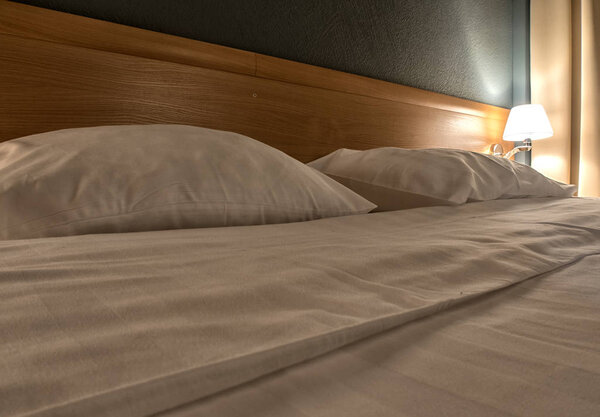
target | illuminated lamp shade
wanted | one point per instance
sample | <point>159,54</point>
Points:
<point>528,121</point>
<point>525,123</point>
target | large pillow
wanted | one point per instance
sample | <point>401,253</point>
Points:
<point>136,178</point>
<point>395,178</point>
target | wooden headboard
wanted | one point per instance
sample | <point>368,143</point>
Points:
<point>59,70</point>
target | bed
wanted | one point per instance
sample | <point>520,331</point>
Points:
<point>489,308</point>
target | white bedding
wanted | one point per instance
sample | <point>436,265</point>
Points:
<point>139,323</point>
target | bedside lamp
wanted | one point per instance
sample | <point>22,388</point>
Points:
<point>525,123</point>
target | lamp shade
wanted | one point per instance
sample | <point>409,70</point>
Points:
<point>528,121</point>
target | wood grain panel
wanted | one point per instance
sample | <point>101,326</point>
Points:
<point>48,86</point>
<point>61,71</point>
<point>26,21</point>
<point>295,72</point>
<point>37,23</point>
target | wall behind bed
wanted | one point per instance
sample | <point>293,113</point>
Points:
<point>462,48</point>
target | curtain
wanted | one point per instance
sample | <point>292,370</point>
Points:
<point>585,139</point>
<point>565,78</point>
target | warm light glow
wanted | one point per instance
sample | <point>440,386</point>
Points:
<point>551,166</point>
<point>528,121</point>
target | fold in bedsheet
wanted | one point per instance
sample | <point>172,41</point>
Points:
<point>134,324</point>
<point>531,350</point>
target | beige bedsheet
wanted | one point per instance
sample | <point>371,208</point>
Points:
<point>530,350</point>
<point>135,324</point>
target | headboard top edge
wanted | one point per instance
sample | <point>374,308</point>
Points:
<point>44,24</point>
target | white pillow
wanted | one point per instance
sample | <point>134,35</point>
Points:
<point>395,178</point>
<point>135,178</point>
